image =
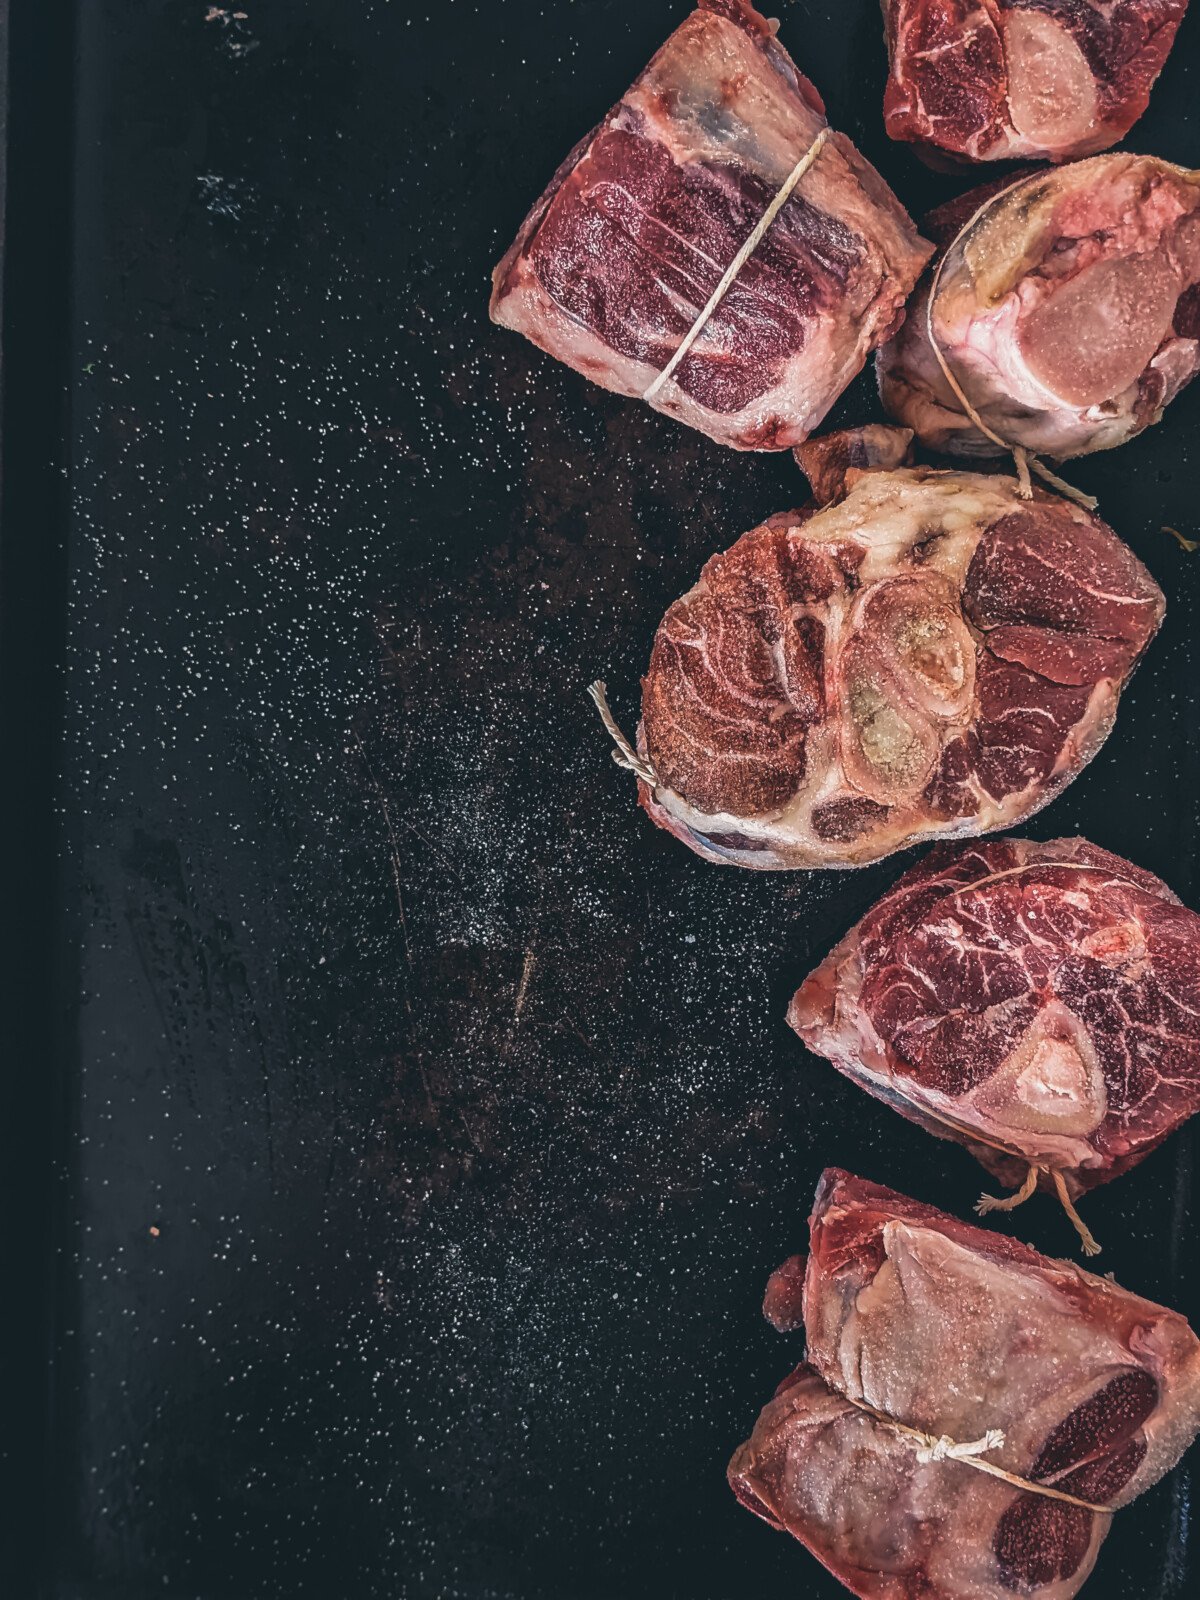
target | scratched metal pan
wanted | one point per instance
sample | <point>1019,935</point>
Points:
<point>409,1128</point>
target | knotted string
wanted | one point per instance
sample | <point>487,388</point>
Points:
<point>988,1202</point>
<point>940,1447</point>
<point>1024,460</point>
<point>624,755</point>
<point>751,244</point>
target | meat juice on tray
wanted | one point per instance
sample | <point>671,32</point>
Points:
<point>927,655</point>
<point>617,261</point>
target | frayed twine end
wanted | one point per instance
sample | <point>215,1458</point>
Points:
<point>988,1203</point>
<point>1027,462</point>
<point>625,755</point>
<point>945,1448</point>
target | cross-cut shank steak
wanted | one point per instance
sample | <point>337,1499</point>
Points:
<point>1066,307</point>
<point>956,1331</point>
<point>1007,79</point>
<point>620,255</point>
<point>931,655</point>
<point>1039,1003</point>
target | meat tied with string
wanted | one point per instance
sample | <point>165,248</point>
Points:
<point>1065,312</point>
<point>928,655</point>
<point>959,1335</point>
<point>1051,79</point>
<point>615,264</point>
<point>1038,1003</point>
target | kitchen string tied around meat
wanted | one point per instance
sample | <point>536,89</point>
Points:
<point>1024,460</point>
<point>625,755</point>
<point>751,244</point>
<point>987,1203</point>
<point>940,1447</point>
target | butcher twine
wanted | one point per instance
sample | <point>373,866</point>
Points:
<point>1024,459</point>
<point>989,1202</point>
<point>736,265</point>
<point>624,755</point>
<point>932,1447</point>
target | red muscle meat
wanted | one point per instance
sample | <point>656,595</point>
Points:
<point>929,656</point>
<point>1039,1003</point>
<point>990,80</point>
<point>614,264</point>
<point>1065,315</point>
<point>956,1332</point>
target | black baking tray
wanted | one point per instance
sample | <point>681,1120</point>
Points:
<point>401,1128</point>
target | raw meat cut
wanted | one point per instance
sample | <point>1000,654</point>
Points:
<point>619,257</point>
<point>826,462</point>
<point>961,1334</point>
<point>930,656</point>
<point>1039,1003</point>
<point>1013,79</point>
<point>1066,310</point>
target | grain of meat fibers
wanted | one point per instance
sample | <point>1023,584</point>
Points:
<point>1065,312</point>
<point>616,263</point>
<point>1038,1003</point>
<point>1022,78</point>
<point>1059,1379</point>
<point>928,654</point>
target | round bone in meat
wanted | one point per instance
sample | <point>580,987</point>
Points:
<point>1099,333</point>
<point>1051,90</point>
<point>1058,319</point>
<point>998,80</point>
<point>928,656</point>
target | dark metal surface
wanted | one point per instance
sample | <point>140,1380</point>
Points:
<point>430,1122</point>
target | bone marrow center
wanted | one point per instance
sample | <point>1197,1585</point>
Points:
<point>1052,1082</point>
<point>887,741</point>
<point>1055,1078</point>
<point>932,650</point>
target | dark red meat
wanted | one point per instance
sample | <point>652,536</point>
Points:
<point>955,1331</point>
<point>1040,1003</point>
<point>615,262</point>
<point>929,655</point>
<point>990,80</point>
